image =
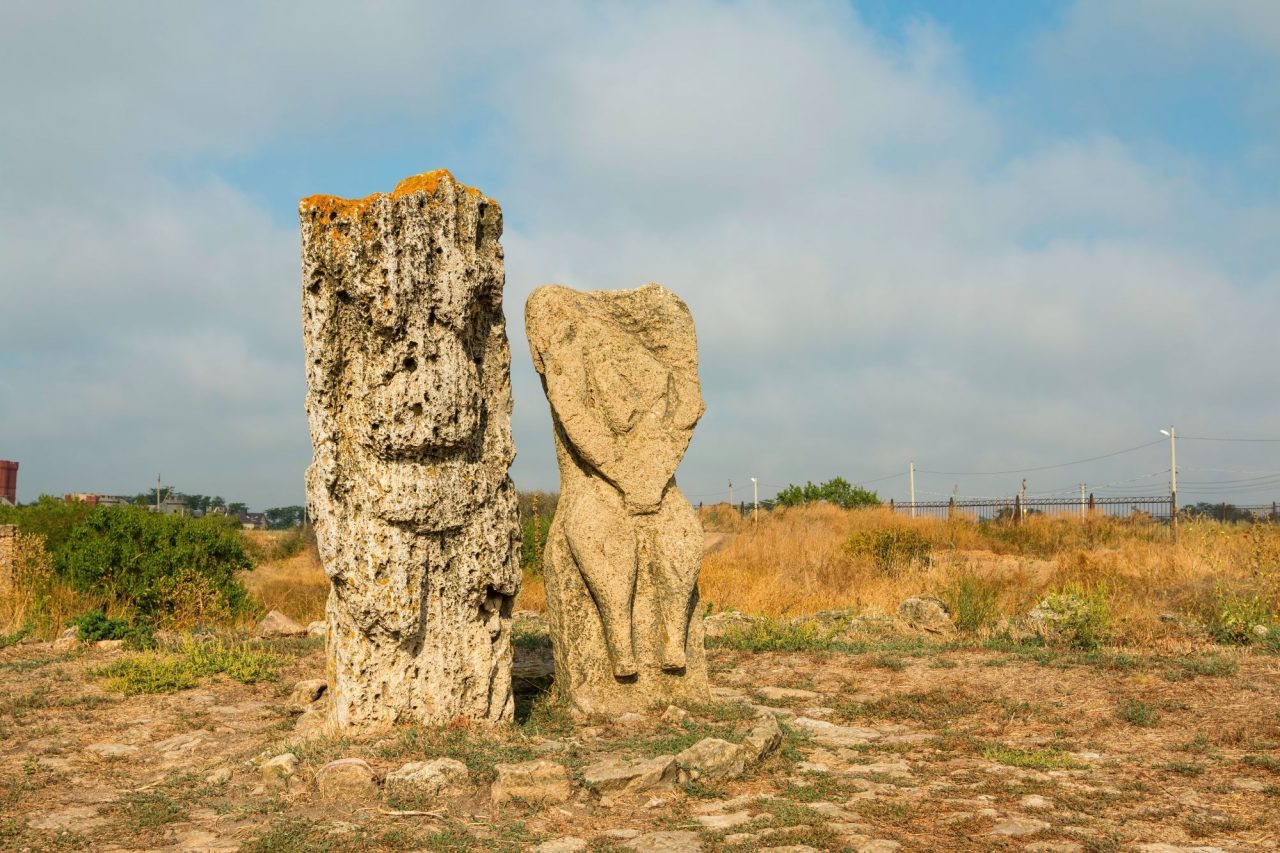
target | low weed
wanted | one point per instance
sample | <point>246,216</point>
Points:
<point>1077,615</point>
<point>182,666</point>
<point>974,600</point>
<point>778,635</point>
<point>1138,713</point>
<point>895,549</point>
<point>1036,759</point>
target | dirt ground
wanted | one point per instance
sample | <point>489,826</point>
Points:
<point>895,746</point>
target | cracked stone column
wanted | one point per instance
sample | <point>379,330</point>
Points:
<point>620,370</point>
<point>409,404</point>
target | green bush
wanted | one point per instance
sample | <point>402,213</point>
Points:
<point>894,549</point>
<point>50,517</point>
<point>974,600</point>
<point>182,666</point>
<point>97,625</point>
<point>838,491</point>
<point>1076,615</point>
<point>1232,614</point>
<point>157,565</point>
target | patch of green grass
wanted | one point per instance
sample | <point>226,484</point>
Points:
<point>150,809</point>
<point>32,664</point>
<point>1266,762</point>
<point>479,749</point>
<point>779,635</point>
<point>7,640</point>
<point>1184,768</point>
<point>181,667</point>
<point>1036,759</point>
<point>890,662</point>
<point>1138,713</point>
<point>932,707</point>
<point>974,600</point>
<point>19,704</point>
<point>544,715</point>
<point>1216,666</point>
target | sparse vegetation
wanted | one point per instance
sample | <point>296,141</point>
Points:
<point>183,666</point>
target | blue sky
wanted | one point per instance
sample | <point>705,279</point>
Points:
<point>982,236</point>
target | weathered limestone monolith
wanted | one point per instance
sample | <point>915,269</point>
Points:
<point>620,370</point>
<point>409,402</point>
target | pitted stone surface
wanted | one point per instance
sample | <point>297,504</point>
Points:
<point>620,370</point>
<point>409,403</point>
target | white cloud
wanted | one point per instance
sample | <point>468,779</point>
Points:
<point>876,275</point>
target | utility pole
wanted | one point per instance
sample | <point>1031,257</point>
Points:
<point>157,493</point>
<point>911,471</point>
<point>1173,480</point>
<point>755,497</point>
<point>1082,498</point>
<point>1022,498</point>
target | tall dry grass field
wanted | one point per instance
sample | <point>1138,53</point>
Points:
<point>288,576</point>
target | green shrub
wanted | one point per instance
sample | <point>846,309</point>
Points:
<point>1232,614</point>
<point>836,491</point>
<point>778,635</point>
<point>1076,615</point>
<point>49,517</point>
<point>894,549</point>
<point>182,667</point>
<point>974,600</point>
<point>157,565</point>
<point>97,625</point>
<point>1137,713</point>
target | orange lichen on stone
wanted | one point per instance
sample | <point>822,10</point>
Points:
<point>428,182</point>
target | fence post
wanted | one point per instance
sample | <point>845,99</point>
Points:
<point>892,506</point>
<point>951,507</point>
<point>1092,505</point>
<point>1017,509</point>
<point>1224,511</point>
<point>8,558</point>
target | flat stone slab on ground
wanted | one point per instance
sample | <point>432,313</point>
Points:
<point>616,775</point>
<point>834,735</point>
<point>666,842</point>
<point>538,781</point>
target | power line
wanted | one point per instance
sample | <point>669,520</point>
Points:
<point>1210,438</point>
<point>1042,467</point>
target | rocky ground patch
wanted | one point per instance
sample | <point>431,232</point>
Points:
<point>891,743</point>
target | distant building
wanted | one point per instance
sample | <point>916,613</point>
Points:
<point>173,504</point>
<point>96,500</point>
<point>8,482</point>
<point>253,520</point>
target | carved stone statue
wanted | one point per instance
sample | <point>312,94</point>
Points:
<point>620,370</point>
<point>409,402</point>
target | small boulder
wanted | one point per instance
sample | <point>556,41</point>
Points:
<point>318,628</point>
<point>420,781</point>
<point>311,724</point>
<point>679,841</point>
<point>562,845</point>
<point>713,758</point>
<point>674,715</point>
<point>1015,827</point>
<point>615,775</point>
<point>308,691</point>
<point>109,645</point>
<point>347,780</point>
<point>785,694</point>
<point>926,613</point>
<point>280,768</point>
<point>276,624</point>
<point>67,640</point>
<point>538,781</point>
<point>221,776</point>
<point>1261,631</point>
<point>111,750</point>
<point>726,623</point>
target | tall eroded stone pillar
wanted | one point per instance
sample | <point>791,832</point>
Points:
<point>620,370</point>
<point>409,402</point>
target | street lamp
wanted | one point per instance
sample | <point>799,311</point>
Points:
<point>1173,478</point>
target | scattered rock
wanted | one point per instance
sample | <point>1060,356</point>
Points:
<point>790,848</point>
<point>615,775</point>
<point>311,724</point>
<point>1016,827</point>
<point>831,734</point>
<point>308,691</point>
<point>786,694</point>
<point>1054,847</point>
<point>674,715</point>
<point>276,624</point>
<point>624,833</point>
<point>562,845</point>
<point>926,613</point>
<point>67,640</point>
<point>426,780</point>
<point>878,845</point>
<point>629,719</point>
<point>713,758</point>
<point>111,750</point>
<point>538,781</point>
<point>764,737</point>
<point>888,768</point>
<point>724,821</point>
<point>1035,802</point>
<point>347,780</point>
<point>1161,847</point>
<point>1248,784</point>
<point>75,817</point>
<point>280,768</point>
<point>109,645</point>
<point>666,842</point>
<point>1261,631</point>
<point>726,623</point>
<point>317,628</point>
<point>182,745</point>
<point>221,776</point>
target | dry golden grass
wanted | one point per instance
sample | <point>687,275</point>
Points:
<point>295,584</point>
<point>35,599</point>
<point>797,561</point>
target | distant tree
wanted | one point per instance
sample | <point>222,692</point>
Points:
<point>838,491</point>
<point>1218,512</point>
<point>237,508</point>
<point>284,517</point>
